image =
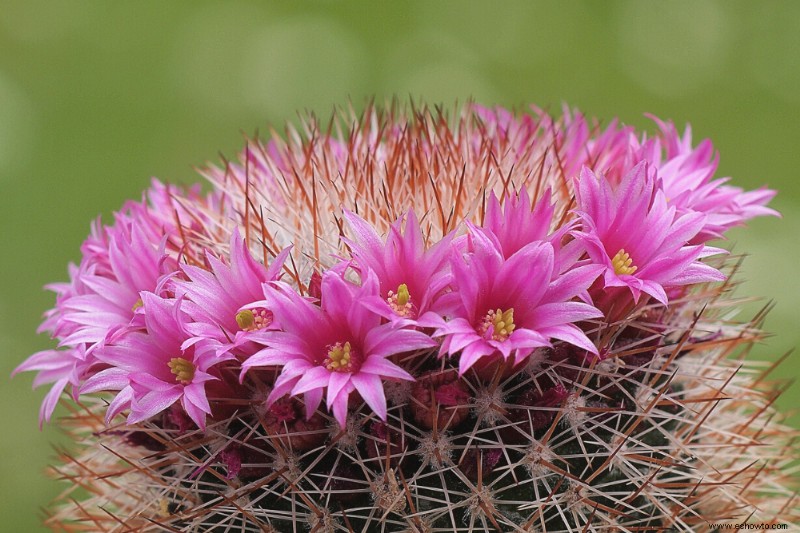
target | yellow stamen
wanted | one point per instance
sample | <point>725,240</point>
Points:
<point>623,264</point>
<point>501,324</point>
<point>400,301</point>
<point>183,369</point>
<point>341,358</point>
<point>137,305</point>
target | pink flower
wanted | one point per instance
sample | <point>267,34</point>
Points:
<point>175,211</point>
<point>107,295</point>
<point>227,303</point>
<point>101,300</point>
<point>501,126</point>
<point>411,278</point>
<point>340,347</point>
<point>687,172</point>
<point>581,142</point>
<point>155,368</point>
<point>518,222</point>
<point>638,239</point>
<point>687,178</point>
<point>509,307</point>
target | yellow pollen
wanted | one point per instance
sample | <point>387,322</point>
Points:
<point>253,319</point>
<point>340,358</point>
<point>183,369</point>
<point>400,301</point>
<point>500,323</point>
<point>137,305</point>
<point>623,264</point>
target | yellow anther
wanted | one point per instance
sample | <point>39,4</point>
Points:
<point>137,305</point>
<point>183,369</point>
<point>623,264</point>
<point>500,323</point>
<point>341,358</point>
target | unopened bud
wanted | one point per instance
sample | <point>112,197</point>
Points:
<point>439,399</point>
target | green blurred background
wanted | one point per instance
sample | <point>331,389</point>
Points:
<point>96,97</point>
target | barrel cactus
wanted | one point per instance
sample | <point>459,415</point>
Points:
<point>419,320</point>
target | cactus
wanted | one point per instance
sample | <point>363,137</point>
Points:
<point>599,386</point>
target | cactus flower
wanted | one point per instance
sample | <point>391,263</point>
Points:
<point>641,241</point>
<point>510,307</point>
<point>155,368</point>
<point>411,278</point>
<point>337,348</point>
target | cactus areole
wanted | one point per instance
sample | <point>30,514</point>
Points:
<point>418,320</point>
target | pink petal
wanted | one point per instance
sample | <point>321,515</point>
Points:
<point>51,400</point>
<point>339,408</point>
<point>312,399</point>
<point>472,353</point>
<point>153,403</point>
<point>108,379</point>
<point>314,378</point>
<point>370,388</point>
<point>384,368</point>
<point>337,383</point>
<point>120,402</point>
<point>572,334</point>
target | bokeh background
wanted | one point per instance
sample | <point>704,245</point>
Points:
<point>96,97</point>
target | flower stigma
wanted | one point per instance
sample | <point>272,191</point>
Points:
<point>498,325</point>
<point>342,358</point>
<point>253,319</point>
<point>183,370</point>
<point>623,264</point>
<point>400,301</point>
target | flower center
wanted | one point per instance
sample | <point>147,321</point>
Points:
<point>139,303</point>
<point>254,319</point>
<point>183,370</point>
<point>342,358</point>
<point>498,325</point>
<point>623,264</point>
<point>400,301</point>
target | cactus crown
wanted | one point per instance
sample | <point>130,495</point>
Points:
<point>406,322</point>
